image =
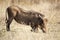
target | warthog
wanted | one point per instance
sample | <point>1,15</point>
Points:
<point>25,17</point>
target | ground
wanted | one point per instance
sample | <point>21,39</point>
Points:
<point>22,32</point>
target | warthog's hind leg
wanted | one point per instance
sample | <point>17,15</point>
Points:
<point>8,24</point>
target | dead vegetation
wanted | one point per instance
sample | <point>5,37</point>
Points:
<point>50,8</point>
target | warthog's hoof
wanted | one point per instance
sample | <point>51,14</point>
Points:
<point>8,29</point>
<point>34,31</point>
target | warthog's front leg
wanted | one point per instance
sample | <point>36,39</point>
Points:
<point>34,28</point>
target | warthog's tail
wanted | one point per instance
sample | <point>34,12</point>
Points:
<point>6,16</point>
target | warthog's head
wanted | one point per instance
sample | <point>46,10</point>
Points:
<point>43,22</point>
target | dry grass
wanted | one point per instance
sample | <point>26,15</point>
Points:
<point>22,32</point>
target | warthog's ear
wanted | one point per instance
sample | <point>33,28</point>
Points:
<point>45,20</point>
